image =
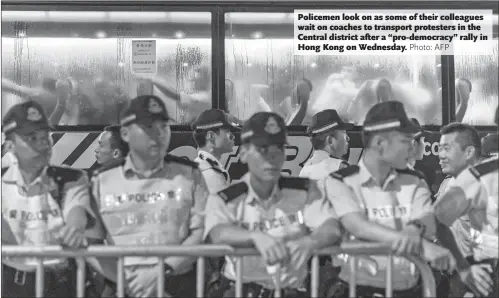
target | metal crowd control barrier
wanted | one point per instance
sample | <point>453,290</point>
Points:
<point>202,251</point>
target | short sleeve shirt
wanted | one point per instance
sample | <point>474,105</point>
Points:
<point>289,213</point>
<point>320,165</point>
<point>401,198</point>
<point>32,212</point>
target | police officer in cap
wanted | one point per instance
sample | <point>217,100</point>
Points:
<point>41,205</point>
<point>152,198</point>
<point>212,133</point>
<point>475,193</point>
<point>271,212</point>
<point>328,134</point>
<point>381,200</point>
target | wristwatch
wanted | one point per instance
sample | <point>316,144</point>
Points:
<point>418,224</point>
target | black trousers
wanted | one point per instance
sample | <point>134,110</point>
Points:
<point>341,290</point>
<point>18,284</point>
<point>227,289</point>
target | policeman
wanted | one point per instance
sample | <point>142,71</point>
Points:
<point>41,205</point>
<point>214,138</point>
<point>418,142</point>
<point>110,145</point>
<point>152,199</point>
<point>328,134</point>
<point>271,212</point>
<point>475,193</point>
<point>381,200</point>
<point>459,149</point>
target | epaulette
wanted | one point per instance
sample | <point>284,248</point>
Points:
<point>294,182</point>
<point>181,160</point>
<point>64,174</point>
<point>108,166</point>
<point>485,168</point>
<point>345,172</point>
<point>412,172</point>
<point>233,191</point>
<point>4,170</point>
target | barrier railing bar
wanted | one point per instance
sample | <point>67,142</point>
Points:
<point>80,277</point>
<point>40,277</point>
<point>352,283</point>
<point>200,277</point>
<point>161,277</point>
<point>314,283</point>
<point>350,248</point>
<point>389,277</point>
<point>239,277</point>
<point>121,277</point>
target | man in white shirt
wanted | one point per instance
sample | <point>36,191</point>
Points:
<point>212,134</point>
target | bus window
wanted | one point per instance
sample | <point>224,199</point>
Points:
<point>262,75</point>
<point>477,87</point>
<point>78,64</point>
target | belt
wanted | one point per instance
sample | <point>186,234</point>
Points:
<point>21,277</point>
<point>255,290</point>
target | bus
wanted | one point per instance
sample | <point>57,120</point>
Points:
<point>233,55</point>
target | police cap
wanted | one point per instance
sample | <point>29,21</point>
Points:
<point>25,118</point>
<point>212,119</point>
<point>326,121</point>
<point>263,129</point>
<point>388,115</point>
<point>144,109</point>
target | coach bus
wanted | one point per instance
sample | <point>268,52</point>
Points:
<point>237,56</point>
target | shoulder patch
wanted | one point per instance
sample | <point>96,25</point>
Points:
<point>345,172</point>
<point>109,166</point>
<point>294,182</point>
<point>64,174</point>
<point>181,160</point>
<point>485,168</point>
<point>233,191</point>
<point>412,172</point>
<point>4,170</point>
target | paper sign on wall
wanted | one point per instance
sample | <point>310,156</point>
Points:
<point>144,57</point>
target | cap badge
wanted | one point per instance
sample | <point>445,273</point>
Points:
<point>154,106</point>
<point>271,127</point>
<point>33,114</point>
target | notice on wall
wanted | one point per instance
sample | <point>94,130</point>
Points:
<point>144,57</point>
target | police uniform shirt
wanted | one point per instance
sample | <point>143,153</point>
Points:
<point>320,165</point>
<point>160,207</point>
<point>403,197</point>
<point>461,228</point>
<point>480,188</point>
<point>295,206</point>
<point>214,174</point>
<point>31,212</point>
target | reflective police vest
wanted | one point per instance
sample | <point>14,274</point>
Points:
<point>33,220</point>
<point>152,211</point>
<point>486,240</point>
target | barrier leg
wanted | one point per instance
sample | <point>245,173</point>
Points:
<point>389,275</point>
<point>314,283</point>
<point>121,278</point>
<point>40,278</point>
<point>80,277</point>
<point>352,284</point>
<point>277,281</point>
<point>239,277</point>
<point>200,266</point>
<point>161,277</point>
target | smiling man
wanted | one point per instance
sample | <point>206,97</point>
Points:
<point>110,145</point>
